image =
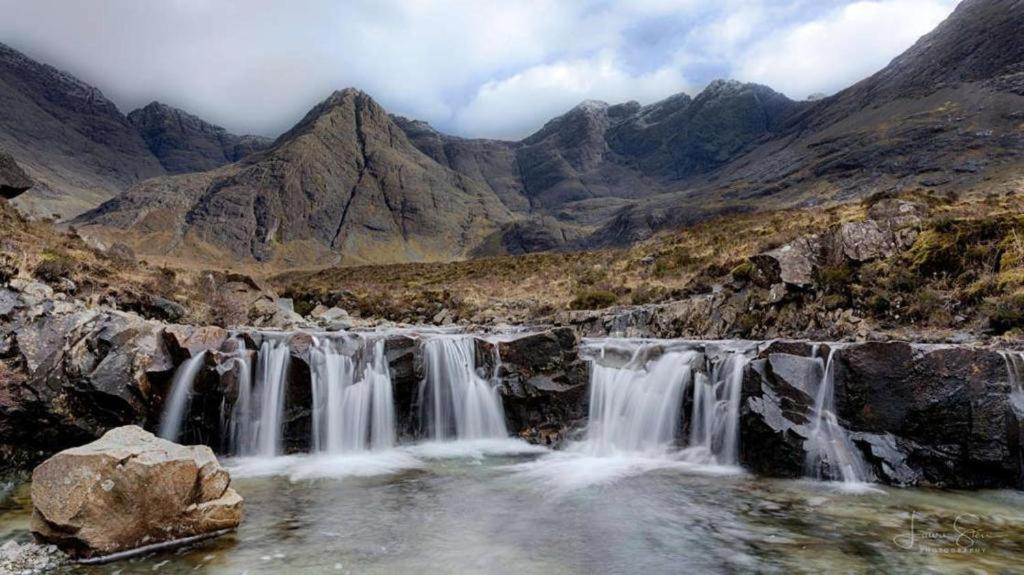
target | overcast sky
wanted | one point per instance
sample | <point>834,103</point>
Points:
<point>470,67</point>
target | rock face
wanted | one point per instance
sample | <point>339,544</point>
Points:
<point>68,137</point>
<point>544,383</point>
<point>936,415</point>
<point>13,180</point>
<point>184,143</point>
<point>344,185</point>
<point>128,490</point>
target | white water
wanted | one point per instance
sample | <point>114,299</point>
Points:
<point>455,402</point>
<point>240,428</point>
<point>1014,370</point>
<point>350,415</point>
<point>178,400</point>
<point>271,377</point>
<point>715,420</point>
<point>636,408</point>
<point>830,452</point>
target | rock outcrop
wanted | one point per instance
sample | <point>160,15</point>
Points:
<point>934,415</point>
<point>13,180</point>
<point>543,382</point>
<point>130,490</point>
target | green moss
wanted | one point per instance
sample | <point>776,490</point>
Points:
<point>1006,313</point>
<point>743,272</point>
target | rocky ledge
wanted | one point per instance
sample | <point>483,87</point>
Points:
<point>129,491</point>
<point>945,415</point>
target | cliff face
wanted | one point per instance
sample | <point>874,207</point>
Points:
<point>184,143</point>
<point>69,138</point>
<point>344,185</point>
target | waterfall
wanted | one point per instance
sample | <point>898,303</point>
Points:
<point>240,424</point>
<point>271,377</point>
<point>350,415</point>
<point>830,452</point>
<point>715,419</point>
<point>1015,369</point>
<point>455,402</point>
<point>636,408</point>
<point>181,393</point>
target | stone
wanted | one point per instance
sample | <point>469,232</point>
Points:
<point>866,241</point>
<point>30,558</point>
<point>13,180</point>
<point>793,263</point>
<point>130,490</point>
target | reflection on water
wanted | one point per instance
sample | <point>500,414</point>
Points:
<point>487,509</point>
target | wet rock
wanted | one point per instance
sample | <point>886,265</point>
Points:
<point>544,383</point>
<point>187,341</point>
<point>72,376</point>
<point>129,490</point>
<point>951,404</point>
<point>889,459</point>
<point>30,558</point>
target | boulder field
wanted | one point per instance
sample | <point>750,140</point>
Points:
<point>921,414</point>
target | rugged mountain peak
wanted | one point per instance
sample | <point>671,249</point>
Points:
<point>344,185</point>
<point>980,40</point>
<point>185,143</point>
<point>73,142</point>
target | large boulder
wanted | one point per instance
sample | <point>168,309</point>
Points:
<point>131,490</point>
<point>13,180</point>
<point>794,263</point>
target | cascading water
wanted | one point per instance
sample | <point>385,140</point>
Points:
<point>830,452</point>
<point>350,415</point>
<point>240,425</point>
<point>455,402</point>
<point>271,376</point>
<point>1015,370</point>
<point>715,420</point>
<point>181,392</point>
<point>636,408</point>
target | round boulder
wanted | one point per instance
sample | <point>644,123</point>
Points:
<point>130,490</point>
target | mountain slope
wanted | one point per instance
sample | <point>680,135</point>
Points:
<point>184,143</point>
<point>70,139</point>
<point>946,115</point>
<point>344,185</point>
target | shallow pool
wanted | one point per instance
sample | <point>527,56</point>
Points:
<point>499,507</point>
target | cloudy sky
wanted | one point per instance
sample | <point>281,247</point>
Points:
<point>493,68</point>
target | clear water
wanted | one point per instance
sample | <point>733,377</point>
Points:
<point>485,507</point>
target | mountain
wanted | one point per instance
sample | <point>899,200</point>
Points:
<point>352,184</point>
<point>184,143</point>
<point>944,115</point>
<point>344,185</point>
<point>69,138</point>
<point>81,150</point>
